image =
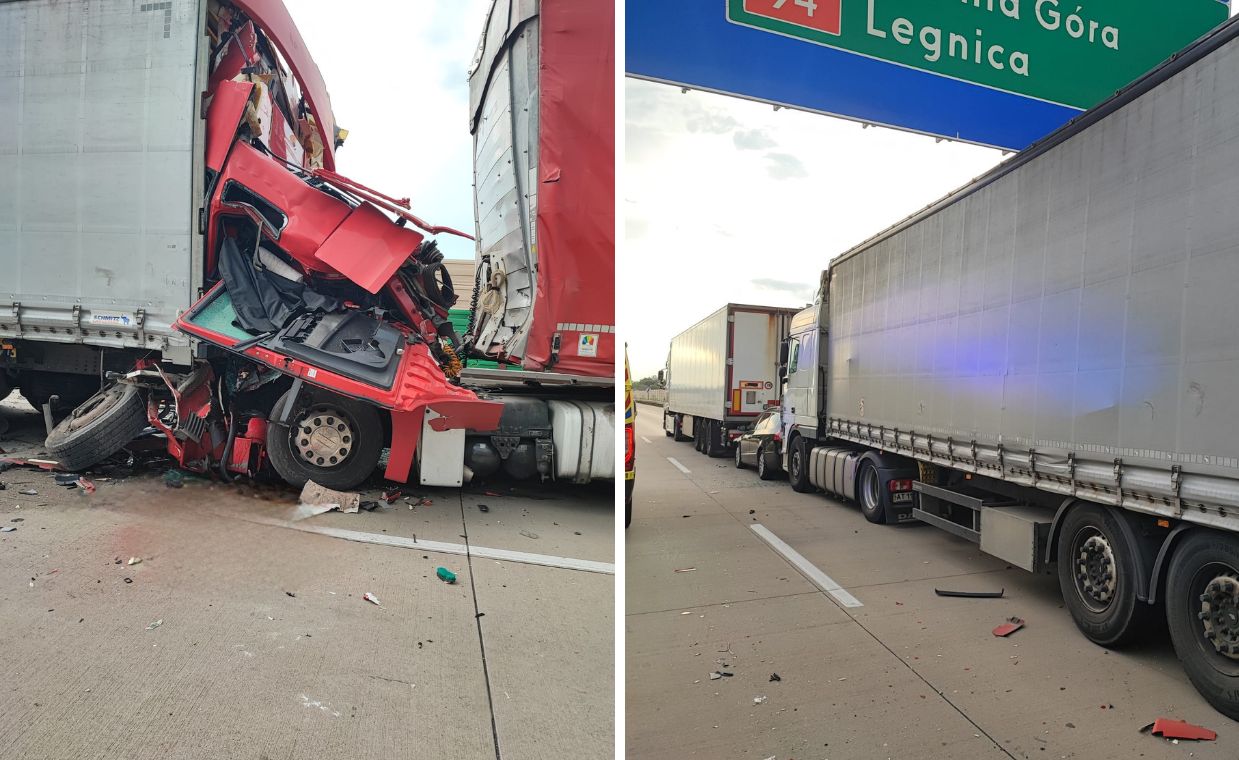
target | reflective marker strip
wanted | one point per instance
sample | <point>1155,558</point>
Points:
<point>679,466</point>
<point>401,542</point>
<point>819,579</point>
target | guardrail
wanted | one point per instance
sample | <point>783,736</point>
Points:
<point>651,396</point>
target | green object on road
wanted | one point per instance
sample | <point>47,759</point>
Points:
<point>174,478</point>
<point>445,575</point>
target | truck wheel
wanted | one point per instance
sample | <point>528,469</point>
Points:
<point>798,466</point>
<point>714,440</point>
<point>678,424</point>
<point>739,457</point>
<point>766,470</point>
<point>334,441</point>
<point>699,436</point>
<point>1202,611</point>
<point>98,428</point>
<point>869,493</point>
<point>1096,573</point>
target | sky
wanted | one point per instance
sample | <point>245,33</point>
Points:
<point>396,72</point>
<point>727,200</point>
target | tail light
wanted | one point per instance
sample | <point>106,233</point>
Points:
<point>899,485</point>
<point>630,449</point>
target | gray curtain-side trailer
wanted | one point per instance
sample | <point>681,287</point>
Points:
<point>1046,362</point>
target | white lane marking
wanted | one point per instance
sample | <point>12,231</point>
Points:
<point>647,440</point>
<point>820,579</point>
<point>679,466</point>
<point>546,560</point>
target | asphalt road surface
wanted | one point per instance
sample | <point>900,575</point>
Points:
<point>906,674</point>
<point>244,634</point>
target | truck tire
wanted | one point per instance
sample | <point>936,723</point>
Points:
<point>1097,576</point>
<point>798,466</point>
<point>739,457</point>
<point>766,470</point>
<point>98,428</point>
<point>679,429</point>
<point>332,440</point>
<point>869,493</point>
<point>1202,600</point>
<point>699,436</point>
<point>714,440</point>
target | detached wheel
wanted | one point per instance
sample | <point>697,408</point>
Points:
<point>98,428</point>
<point>1096,573</point>
<point>1202,611</point>
<point>869,494</point>
<point>332,440</point>
<point>798,466</point>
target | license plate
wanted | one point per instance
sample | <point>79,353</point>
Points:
<point>901,498</point>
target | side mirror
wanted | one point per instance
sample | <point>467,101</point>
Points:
<point>662,377</point>
<point>784,349</point>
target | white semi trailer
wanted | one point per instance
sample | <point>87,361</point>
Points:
<point>1046,362</point>
<point>721,373</point>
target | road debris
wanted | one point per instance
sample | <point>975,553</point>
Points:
<point>971,594</point>
<point>371,598</point>
<point>370,506</point>
<point>483,508</point>
<point>1168,728</point>
<point>67,479</point>
<point>720,674</point>
<point>289,593</point>
<point>174,479</point>
<point>7,529</point>
<point>28,492</point>
<point>391,495</point>
<point>775,678</point>
<point>155,624</point>
<point>445,575</point>
<point>760,699</point>
<point>529,534</point>
<point>315,495</point>
<point>127,580</point>
<point>85,485</point>
<point>1012,625</point>
<point>134,561</point>
<point>686,570</point>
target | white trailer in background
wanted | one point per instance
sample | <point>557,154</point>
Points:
<point>722,372</point>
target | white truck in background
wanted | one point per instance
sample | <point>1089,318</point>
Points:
<point>721,373</point>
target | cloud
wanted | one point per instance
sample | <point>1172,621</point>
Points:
<point>752,139</point>
<point>801,290</point>
<point>785,166</point>
<point>709,121</point>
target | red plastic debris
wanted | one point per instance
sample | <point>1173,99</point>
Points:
<point>1179,729</point>
<point>86,485</point>
<point>1011,626</point>
<point>392,495</point>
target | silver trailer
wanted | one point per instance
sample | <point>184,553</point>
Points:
<point>722,373</point>
<point>1046,362</point>
<point>103,172</point>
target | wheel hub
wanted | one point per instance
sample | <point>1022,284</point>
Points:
<point>323,437</point>
<point>1219,614</point>
<point>1096,575</point>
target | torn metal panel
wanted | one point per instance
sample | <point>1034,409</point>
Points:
<point>223,119</point>
<point>367,248</point>
<point>312,215</point>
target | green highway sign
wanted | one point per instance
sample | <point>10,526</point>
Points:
<point>1074,54</point>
